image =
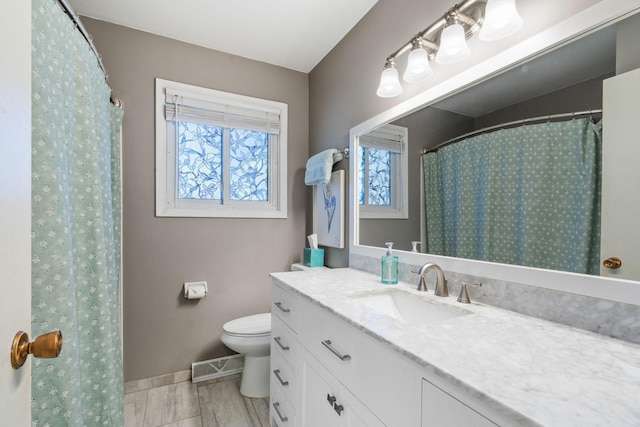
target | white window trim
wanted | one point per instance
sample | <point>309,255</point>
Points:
<point>399,205</point>
<point>167,204</point>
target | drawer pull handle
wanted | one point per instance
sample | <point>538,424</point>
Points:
<point>284,347</point>
<point>279,305</point>
<point>277,374</point>
<point>338,408</point>
<point>276,406</point>
<point>331,399</point>
<point>343,357</point>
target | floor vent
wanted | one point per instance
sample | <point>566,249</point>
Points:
<point>216,368</point>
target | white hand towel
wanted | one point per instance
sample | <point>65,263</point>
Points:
<point>319,167</point>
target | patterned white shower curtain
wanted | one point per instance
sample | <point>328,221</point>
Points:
<point>75,227</point>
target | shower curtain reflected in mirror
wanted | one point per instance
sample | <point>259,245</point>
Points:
<point>528,196</point>
<point>75,227</point>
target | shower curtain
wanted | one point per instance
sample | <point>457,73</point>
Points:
<point>75,227</point>
<point>527,196</point>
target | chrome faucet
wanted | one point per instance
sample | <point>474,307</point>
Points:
<point>441,289</point>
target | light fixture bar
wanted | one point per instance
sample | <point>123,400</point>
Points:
<point>470,15</point>
<point>467,11</point>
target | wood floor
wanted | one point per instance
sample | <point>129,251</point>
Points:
<point>170,402</point>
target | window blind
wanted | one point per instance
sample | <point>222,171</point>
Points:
<point>185,106</point>
<point>383,140</point>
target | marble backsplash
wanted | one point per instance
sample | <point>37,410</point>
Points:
<point>614,319</point>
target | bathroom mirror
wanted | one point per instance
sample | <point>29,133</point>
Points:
<point>547,85</point>
<point>517,93</point>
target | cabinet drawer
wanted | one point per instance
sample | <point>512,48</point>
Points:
<point>284,306</point>
<point>284,378</point>
<point>366,367</point>
<point>280,411</point>
<point>284,342</point>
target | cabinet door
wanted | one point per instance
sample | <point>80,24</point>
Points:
<point>318,398</point>
<point>325,402</point>
<point>440,409</point>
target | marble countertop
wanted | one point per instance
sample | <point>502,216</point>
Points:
<point>531,371</point>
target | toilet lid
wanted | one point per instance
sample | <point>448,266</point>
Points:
<point>258,324</point>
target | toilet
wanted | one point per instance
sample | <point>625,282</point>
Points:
<point>251,336</point>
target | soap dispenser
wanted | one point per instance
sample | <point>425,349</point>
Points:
<point>389,267</point>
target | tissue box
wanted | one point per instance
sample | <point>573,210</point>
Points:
<point>313,257</point>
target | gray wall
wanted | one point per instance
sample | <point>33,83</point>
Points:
<point>583,96</point>
<point>163,333</point>
<point>342,87</point>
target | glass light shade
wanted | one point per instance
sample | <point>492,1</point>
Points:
<point>389,83</point>
<point>418,67</point>
<point>501,19</point>
<point>453,45</point>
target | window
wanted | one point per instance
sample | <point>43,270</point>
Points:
<point>382,173</point>
<point>219,154</point>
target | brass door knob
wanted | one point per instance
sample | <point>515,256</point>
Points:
<point>47,346</point>
<point>612,262</point>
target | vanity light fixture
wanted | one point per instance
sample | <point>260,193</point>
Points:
<point>389,81</point>
<point>501,19</point>
<point>445,41</point>
<point>453,43</point>
<point>418,67</point>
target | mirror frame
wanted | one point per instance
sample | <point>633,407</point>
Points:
<point>604,13</point>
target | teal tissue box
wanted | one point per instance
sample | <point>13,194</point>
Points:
<point>313,257</point>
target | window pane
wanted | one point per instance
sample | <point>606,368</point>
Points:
<point>249,164</point>
<point>379,177</point>
<point>199,161</point>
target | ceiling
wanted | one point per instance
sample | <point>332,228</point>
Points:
<point>294,34</point>
<point>584,59</point>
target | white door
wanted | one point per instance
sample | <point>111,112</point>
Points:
<point>15,206</point>
<point>621,175</point>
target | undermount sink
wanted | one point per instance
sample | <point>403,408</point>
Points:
<point>407,307</point>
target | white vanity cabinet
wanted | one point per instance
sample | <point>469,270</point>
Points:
<point>327,372</point>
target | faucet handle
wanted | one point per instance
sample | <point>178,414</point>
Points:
<point>463,298</point>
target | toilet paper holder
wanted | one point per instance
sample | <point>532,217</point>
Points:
<point>195,290</point>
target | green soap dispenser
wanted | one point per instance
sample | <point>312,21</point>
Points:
<point>389,267</point>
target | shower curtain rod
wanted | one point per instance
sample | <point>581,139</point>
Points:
<point>76,21</point>
<point>513,123</point>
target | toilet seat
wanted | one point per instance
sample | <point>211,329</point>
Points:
<point>257,325</point>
